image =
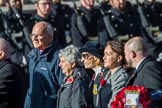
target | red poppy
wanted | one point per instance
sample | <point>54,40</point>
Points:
<point>120,99</point>
<point>102,82</point>
<point>70,80</point>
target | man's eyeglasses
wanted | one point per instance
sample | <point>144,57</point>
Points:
<point>87,56</point>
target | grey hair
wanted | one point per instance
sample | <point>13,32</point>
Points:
<point>5,47</point>
<point>71,54</point>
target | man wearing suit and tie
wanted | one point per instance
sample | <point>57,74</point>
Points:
<point>148,72</point>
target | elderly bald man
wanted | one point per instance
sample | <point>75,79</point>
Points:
<point>44,71</point>
<point>148,72</point>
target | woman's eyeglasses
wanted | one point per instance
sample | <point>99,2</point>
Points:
<point>87,56</point>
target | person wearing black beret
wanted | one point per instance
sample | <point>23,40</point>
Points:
<point>92,53</point>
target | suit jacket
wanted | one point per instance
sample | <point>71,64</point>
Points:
<point>149,75</point>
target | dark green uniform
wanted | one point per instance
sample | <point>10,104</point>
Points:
<point>89,19</point>
<point>150,15</point>
<point>63,15</point>
<point>124,23</point>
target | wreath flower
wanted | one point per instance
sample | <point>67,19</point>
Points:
<point>120,99</point>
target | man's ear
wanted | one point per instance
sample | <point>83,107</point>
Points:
<point>132,54</point>
<point>2,55</point>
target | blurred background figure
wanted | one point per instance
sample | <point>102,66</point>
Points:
<point>114,60</point>
<point>43,13</point>
<point>84,22</point>
<point>12,86</point>
<point>57,15</point>
<point>149,12</point>
<point>17,19</point>
<point>92,54</point>
<point>63,14</point>
<point>74,91</point>
<point>13,32</point>
<point>3,20</point>
<point>117,22</point>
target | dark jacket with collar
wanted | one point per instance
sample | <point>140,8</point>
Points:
<point>149,75</point>
<point>12,85</point>
<point>89,19</point>
<point>45,78</point>
<point>124,22</point>
<point>101,95</point>
<point>76,93</point>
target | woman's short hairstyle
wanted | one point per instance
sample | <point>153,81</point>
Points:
<point>71,54</point>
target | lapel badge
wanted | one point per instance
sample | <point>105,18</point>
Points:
<point>95,91</point>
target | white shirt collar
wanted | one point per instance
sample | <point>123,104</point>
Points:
<point>139,63</point>
<point>97,70</point>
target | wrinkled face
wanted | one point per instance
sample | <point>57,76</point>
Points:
<point>43,7</point>
<point>39,40</point>
<point>110,58</point>
<point>66,67</point>
<point>118,4</point>
<point>88,60</point>
<point>127,57</point>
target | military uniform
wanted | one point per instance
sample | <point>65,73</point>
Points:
<point>89,19</point>
<point>36,18</point>
<point>151,21</point>
<point>63,15</point>
<point>101,93</point>
<point>17,25</point>
<point>12,18</point>
<point>51,19</point>
<point>2,25</point>
<point>124,23</point>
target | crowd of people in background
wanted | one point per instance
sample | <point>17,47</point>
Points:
<point>80,57</point>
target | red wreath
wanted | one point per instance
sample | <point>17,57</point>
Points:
<point>120,99</point>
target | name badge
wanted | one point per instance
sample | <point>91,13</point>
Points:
<point>132,98</point>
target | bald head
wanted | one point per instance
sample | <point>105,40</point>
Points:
<point>5,49</point>
<point>42,35</point>
<point>137,44</point>
<point>135,50</point>
<point>43,28</point>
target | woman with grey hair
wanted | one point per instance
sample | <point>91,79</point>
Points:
<point>74,91</point>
